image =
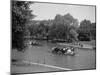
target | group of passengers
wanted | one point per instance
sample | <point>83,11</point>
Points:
<point>67,50</point>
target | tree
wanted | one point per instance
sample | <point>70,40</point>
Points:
<point>93,31</point>
<point>85,25</point>
<point>62,25</point>
<point>87,30</point>
<point>73,34</point>
<point>21,14</point>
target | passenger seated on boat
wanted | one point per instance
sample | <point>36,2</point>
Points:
<point>72,49</point>
<point>60,51</point>
<point>64,50</point>
<point>30,42</point>
<point>69,51</point>
<point>55,49</point>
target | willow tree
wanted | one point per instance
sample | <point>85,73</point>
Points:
<point>64,27</point>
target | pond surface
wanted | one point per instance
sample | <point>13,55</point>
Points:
<point>84,58</point>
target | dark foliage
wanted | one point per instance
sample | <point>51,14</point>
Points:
<point>21,14</point>
<point>87,31</point>
<point>62,28</point>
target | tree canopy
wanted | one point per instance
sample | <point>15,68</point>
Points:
<point>21,14</point>
<point>87,30</point>
<point>61,27</point>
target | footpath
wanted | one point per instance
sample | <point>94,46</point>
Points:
<point>22,67</point>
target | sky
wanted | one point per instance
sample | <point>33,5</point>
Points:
<point>45,11</point>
